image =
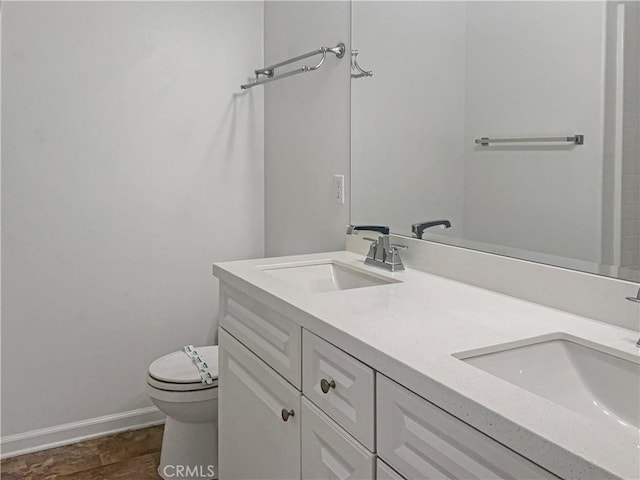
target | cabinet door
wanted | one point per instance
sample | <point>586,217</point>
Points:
<point>350,398</point>
<point>329,452</point>
<point>423,441</point>
<point>255,442</point>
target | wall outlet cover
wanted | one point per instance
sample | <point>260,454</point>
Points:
<point>338,188</point>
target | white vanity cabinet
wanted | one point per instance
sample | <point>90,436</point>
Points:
<point>267,428</point>
<point>294,406</point>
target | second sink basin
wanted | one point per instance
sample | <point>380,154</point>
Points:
<point>598,385</point>
<point>326,276</point>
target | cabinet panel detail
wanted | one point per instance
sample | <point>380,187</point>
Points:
<point>341,386</point>
<point>385,472</point>
<point>421,440</point>
<point>329,452</point>
<point>273,337</point>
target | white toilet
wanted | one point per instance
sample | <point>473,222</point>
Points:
<point>190,441</point>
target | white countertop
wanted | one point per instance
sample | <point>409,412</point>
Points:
<point>409,331</point>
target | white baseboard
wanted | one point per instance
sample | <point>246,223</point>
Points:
<point>45,438</point>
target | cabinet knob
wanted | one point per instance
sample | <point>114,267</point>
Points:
<point>286,414</point>
<point>326,385</point>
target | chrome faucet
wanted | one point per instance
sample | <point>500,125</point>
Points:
<point>419,228</point>
<point>381,253</point>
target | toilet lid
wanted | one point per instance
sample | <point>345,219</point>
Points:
<point>177,367</point>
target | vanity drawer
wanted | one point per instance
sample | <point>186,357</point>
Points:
<point>329,452</point>
<point>270,335</point>
<point>421,440</point>
<point>349,385</point>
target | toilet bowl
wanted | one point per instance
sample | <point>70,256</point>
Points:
<point>190,440</point>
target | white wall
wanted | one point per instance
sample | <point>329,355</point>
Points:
<point>630,211</point>
<point>307,121</point>
<point>129,167</point>
<point>407,137</point>
<point>524,78</point>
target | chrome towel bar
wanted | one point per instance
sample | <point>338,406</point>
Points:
<point>270,74</point>
<point>575,139</point>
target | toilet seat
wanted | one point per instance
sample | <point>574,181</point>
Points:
<point>176,372</point>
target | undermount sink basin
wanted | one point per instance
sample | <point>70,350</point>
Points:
<point>327,276</point>
<point>598,385</point>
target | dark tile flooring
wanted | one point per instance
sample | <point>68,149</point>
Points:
<point>132,455</point>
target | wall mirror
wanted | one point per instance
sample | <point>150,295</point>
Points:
<point>447,74</point>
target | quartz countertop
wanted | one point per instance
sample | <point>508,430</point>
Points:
<point>409,331</point>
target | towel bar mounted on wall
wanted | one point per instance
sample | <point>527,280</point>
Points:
<point>270,71</point>
<point>575,139</point>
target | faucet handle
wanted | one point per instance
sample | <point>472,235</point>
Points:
<point>393,258</point>
<point>372,248</point>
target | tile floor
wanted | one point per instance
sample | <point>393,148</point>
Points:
<point>132,455</point>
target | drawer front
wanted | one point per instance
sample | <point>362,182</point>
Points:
<point>329,452</point>
<point>385,472</point>
<point>421,440</point>
<point>273,337</point>
<point>349,399</point>
<point>254,440</point>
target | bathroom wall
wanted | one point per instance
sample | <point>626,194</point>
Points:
<point>307,120</point>
<point>407,120</point>
<point>630,211</point>
<point>130,163</point>
<point>547,92</point>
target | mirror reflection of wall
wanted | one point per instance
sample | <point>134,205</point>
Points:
<point>447,73</point>
<point>621,193</point>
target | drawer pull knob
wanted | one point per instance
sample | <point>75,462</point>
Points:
<point>286,414</point>
<point>325,385</point>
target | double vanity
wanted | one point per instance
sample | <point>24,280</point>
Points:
<point>333,369</point>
